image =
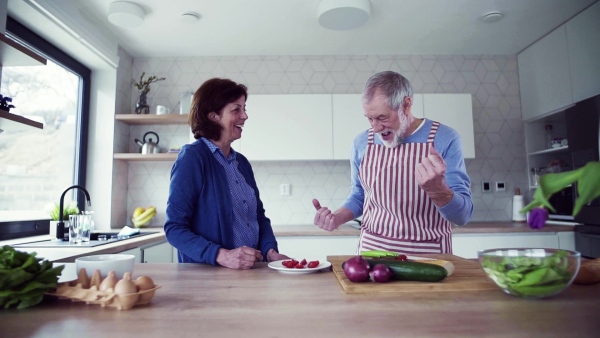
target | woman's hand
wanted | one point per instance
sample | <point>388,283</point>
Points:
<point>242,258</point>
<point>273,255</point>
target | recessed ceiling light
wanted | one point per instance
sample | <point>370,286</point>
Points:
<point>189,17</point>
<point>125,14</point>
<point>492,17</point>
<point>344,14</point>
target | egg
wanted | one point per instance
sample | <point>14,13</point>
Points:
<point>109,282</point>
<point>125,285</point>
<point>144,283</point>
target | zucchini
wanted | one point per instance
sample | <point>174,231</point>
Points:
<point>378,254</point>
<point>412,271</point>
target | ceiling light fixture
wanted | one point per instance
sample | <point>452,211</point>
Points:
<point>492,17</point>
<point>189,17</point>
<point>126,14</point>
<point>344,14</point>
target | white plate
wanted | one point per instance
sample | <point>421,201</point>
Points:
<point>68,274</point>
<point>279,267</point>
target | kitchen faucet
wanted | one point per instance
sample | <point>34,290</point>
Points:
<point>60,226</point>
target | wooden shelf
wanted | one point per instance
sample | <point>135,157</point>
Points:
<point>14,54</point>
<point>141,119</point>
<point>145,157</point>
<point>12,122</point>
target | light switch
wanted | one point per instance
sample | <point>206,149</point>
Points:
<point>284,189</point>
<point>500,186</point>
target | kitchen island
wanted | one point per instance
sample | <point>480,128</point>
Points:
<point>207,301</point>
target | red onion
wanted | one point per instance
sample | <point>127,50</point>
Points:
<point>357,269</point>
<point>381,273</point>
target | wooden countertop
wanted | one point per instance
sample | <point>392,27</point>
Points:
<point>349,229</point>
<point>207,301</point>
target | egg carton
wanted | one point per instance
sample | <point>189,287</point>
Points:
<point>77,292</point>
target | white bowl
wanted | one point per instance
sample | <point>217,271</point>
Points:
<point>119,263</point>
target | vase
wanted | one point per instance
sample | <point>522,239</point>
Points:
<point>141,106</point>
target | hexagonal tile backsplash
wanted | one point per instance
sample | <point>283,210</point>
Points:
<point>492,80</point>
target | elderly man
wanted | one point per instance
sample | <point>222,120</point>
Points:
<point>409,180</point>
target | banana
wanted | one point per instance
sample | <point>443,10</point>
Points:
<point>145,214</point>
<point>138,211</point>
<point>138,223</point>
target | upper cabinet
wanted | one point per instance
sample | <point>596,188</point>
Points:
<point>288,127</point>
<point>313,126</point>
<point>14,54</point>
<point>455,111</point>
<point>562,68</point>
<point>583,38</point>
<point>544,75</point>
<point>348,121</point>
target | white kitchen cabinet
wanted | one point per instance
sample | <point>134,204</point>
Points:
<point>456,111</point>
<point>136,252</point>
<point>157,253</point>
<point>544,75</point>
<point>317,247</point>
<point>583,32</point>
<point>349,120</point>
<point>288,127</point>
<point>467,245</point>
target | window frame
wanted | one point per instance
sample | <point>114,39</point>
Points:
<point>24,35</point>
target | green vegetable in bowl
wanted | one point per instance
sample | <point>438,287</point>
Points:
<point>25,278</point>
<point>529,276</point>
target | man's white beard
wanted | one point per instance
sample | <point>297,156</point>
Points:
<point>398,134</point>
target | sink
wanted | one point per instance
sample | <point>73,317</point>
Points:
<point>96,239</point>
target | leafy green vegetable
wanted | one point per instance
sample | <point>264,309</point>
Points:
<point>529,276</point>
<point>24,278</point>
<point>588,187</point>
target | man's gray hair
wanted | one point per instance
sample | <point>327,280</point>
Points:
<point>391,84</point>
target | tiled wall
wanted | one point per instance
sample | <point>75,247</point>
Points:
<point>492,81</point>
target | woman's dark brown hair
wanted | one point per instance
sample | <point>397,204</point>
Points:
<point>212,96</point>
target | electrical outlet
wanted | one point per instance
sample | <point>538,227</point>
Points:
<point>500,186</point>
<point>285,189</point>
<point>486,186</point>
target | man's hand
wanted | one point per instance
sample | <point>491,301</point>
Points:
<point>431,177</point>
<point>324,218</point>
<point>242,258</point>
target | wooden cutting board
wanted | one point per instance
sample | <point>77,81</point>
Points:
<point>468,276</point>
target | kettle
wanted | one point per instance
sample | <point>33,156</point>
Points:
<point>148,147</point>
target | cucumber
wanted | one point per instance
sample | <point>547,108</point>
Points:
<point>412,271</point>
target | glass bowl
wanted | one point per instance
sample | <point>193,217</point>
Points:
<point>530,272</point>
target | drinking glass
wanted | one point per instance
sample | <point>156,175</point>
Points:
<point>74,229</point>
<point>87,226</point>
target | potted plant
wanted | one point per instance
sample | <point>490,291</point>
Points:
<point>4,103</point>
<point>69,208</point>
<point>144,87</point>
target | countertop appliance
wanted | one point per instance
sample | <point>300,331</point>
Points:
<point>583,133</point>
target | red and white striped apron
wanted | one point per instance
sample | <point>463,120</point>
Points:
<point>398,215</point>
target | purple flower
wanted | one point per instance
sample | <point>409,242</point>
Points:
<point>537,218</point>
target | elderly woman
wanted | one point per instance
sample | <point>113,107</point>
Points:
<point>214,212</point>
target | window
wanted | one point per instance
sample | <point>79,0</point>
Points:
<point>37,166</point>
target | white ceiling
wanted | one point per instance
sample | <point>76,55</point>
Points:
<point>290,27</point>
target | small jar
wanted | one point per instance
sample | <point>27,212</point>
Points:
<point>535,176</point>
